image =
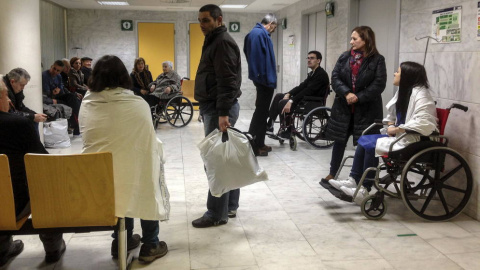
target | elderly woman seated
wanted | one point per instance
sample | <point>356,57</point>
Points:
<point>165,86</point>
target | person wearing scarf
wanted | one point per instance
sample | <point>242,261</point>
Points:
<point>358,79</point>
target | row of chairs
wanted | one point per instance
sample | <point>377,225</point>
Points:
<point>68,193</point>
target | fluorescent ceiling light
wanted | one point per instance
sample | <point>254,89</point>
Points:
<point>113,3</point>
<point>233,6</point>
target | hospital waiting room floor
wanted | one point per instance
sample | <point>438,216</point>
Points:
<point>288,222</point>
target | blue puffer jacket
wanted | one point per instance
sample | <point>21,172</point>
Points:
<point>258,49</point>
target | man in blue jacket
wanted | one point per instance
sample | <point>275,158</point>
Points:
<point>258,49</point>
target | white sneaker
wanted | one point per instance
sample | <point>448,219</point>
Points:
<point>350,183</point>
<point>362,193</point>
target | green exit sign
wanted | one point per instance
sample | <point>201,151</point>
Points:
<point>234,27</point>
<point>127,25</point>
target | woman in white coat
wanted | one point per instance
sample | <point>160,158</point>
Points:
<point>113,119</point>
<point>412,108</point>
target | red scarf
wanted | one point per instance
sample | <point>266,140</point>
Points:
<point>356,60</point>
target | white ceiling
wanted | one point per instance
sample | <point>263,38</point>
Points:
<point>180,5</point>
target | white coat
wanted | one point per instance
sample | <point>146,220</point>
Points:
<point>421,117</point>
<point>116,120</point>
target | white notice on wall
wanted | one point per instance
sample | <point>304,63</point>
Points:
<point>478,20</point>
<point>447,24</point>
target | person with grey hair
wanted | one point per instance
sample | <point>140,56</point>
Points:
<point>18,137</point>
<point>166,86</point>
<point>258,49</point>
<point>15,81</point>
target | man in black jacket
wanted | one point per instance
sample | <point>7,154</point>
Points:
<point>18,137</point>
<point>315,85</point>
<point>15,81</point>
<point>217,87</point>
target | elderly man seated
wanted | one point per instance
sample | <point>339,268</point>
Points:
<point>165,86</point>
<point>18,137</point>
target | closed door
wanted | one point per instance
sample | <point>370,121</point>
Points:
<point>382,17</point>
<point>195,40</point>
<point>156,44</point>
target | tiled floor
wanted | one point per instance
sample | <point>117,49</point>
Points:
<point>288,222</point>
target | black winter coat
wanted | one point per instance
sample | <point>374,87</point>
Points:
<point>219,74</point>
<point>371,81</point>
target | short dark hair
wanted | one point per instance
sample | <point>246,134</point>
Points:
<point>59,63</point>
<point>317,53</point>
<point>109,71</point>
<point>215,11</point>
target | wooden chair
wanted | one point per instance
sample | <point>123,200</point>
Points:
<point>68,193</point>
<point>188,90</point>
<point>8,220</point>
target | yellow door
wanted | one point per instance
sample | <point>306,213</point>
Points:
<point>196,42</point>
<point>156,44</point>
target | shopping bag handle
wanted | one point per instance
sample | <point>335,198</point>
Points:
<point>225,134</point>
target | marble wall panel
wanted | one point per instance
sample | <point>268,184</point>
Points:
<point>453,73</point>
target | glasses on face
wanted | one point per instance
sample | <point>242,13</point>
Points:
<point>311,58</point>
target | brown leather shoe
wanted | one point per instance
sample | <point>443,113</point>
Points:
<point>262,153</point>
<point>266,148</point>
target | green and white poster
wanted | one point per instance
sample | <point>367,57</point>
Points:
<point>447,24</point>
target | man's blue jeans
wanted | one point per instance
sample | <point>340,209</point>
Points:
<point>150,230</point>
<point>217,208</point>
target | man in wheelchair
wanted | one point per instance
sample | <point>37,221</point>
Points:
<point>315,85</point>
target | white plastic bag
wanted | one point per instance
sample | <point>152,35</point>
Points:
<point>56,134</point>
<point>230,164</point>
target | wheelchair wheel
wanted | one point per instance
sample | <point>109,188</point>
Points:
<point>179,111</point>
<point>374,207</point>
<point>436,183</point>
<point>314,127</point>
<point>293,143</point>
<point>298,126</point>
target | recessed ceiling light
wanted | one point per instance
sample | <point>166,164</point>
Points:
<point>233,6</point>
<point>113,3</point>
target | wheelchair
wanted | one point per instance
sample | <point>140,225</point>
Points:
<point>307,122</point>
<point>434,181</point>
<point>177,111</point>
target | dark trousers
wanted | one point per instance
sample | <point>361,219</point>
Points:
<point>150,230</point>
<point>51,242</point>
<point>258,125</point>
<point>71,100</point>
<point>339,150</point>
<point>151,100</point>
<point>217,208</point>
<point>363,159</point>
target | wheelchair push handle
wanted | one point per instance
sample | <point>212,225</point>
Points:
<point>459,106</point>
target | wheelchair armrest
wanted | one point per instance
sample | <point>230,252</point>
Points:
<point>376,123</point>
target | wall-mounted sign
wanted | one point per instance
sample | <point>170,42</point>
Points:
<point>447,24</point>
<point>234,27</point>
<point>478,20</point>
<point>127,25</point>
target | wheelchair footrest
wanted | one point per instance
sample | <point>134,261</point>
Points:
<point>335,192</point>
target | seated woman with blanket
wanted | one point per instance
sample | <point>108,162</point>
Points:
<point>412,108</point>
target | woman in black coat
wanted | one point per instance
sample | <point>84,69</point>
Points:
<point>141,77</point>
<point>358,79</point>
